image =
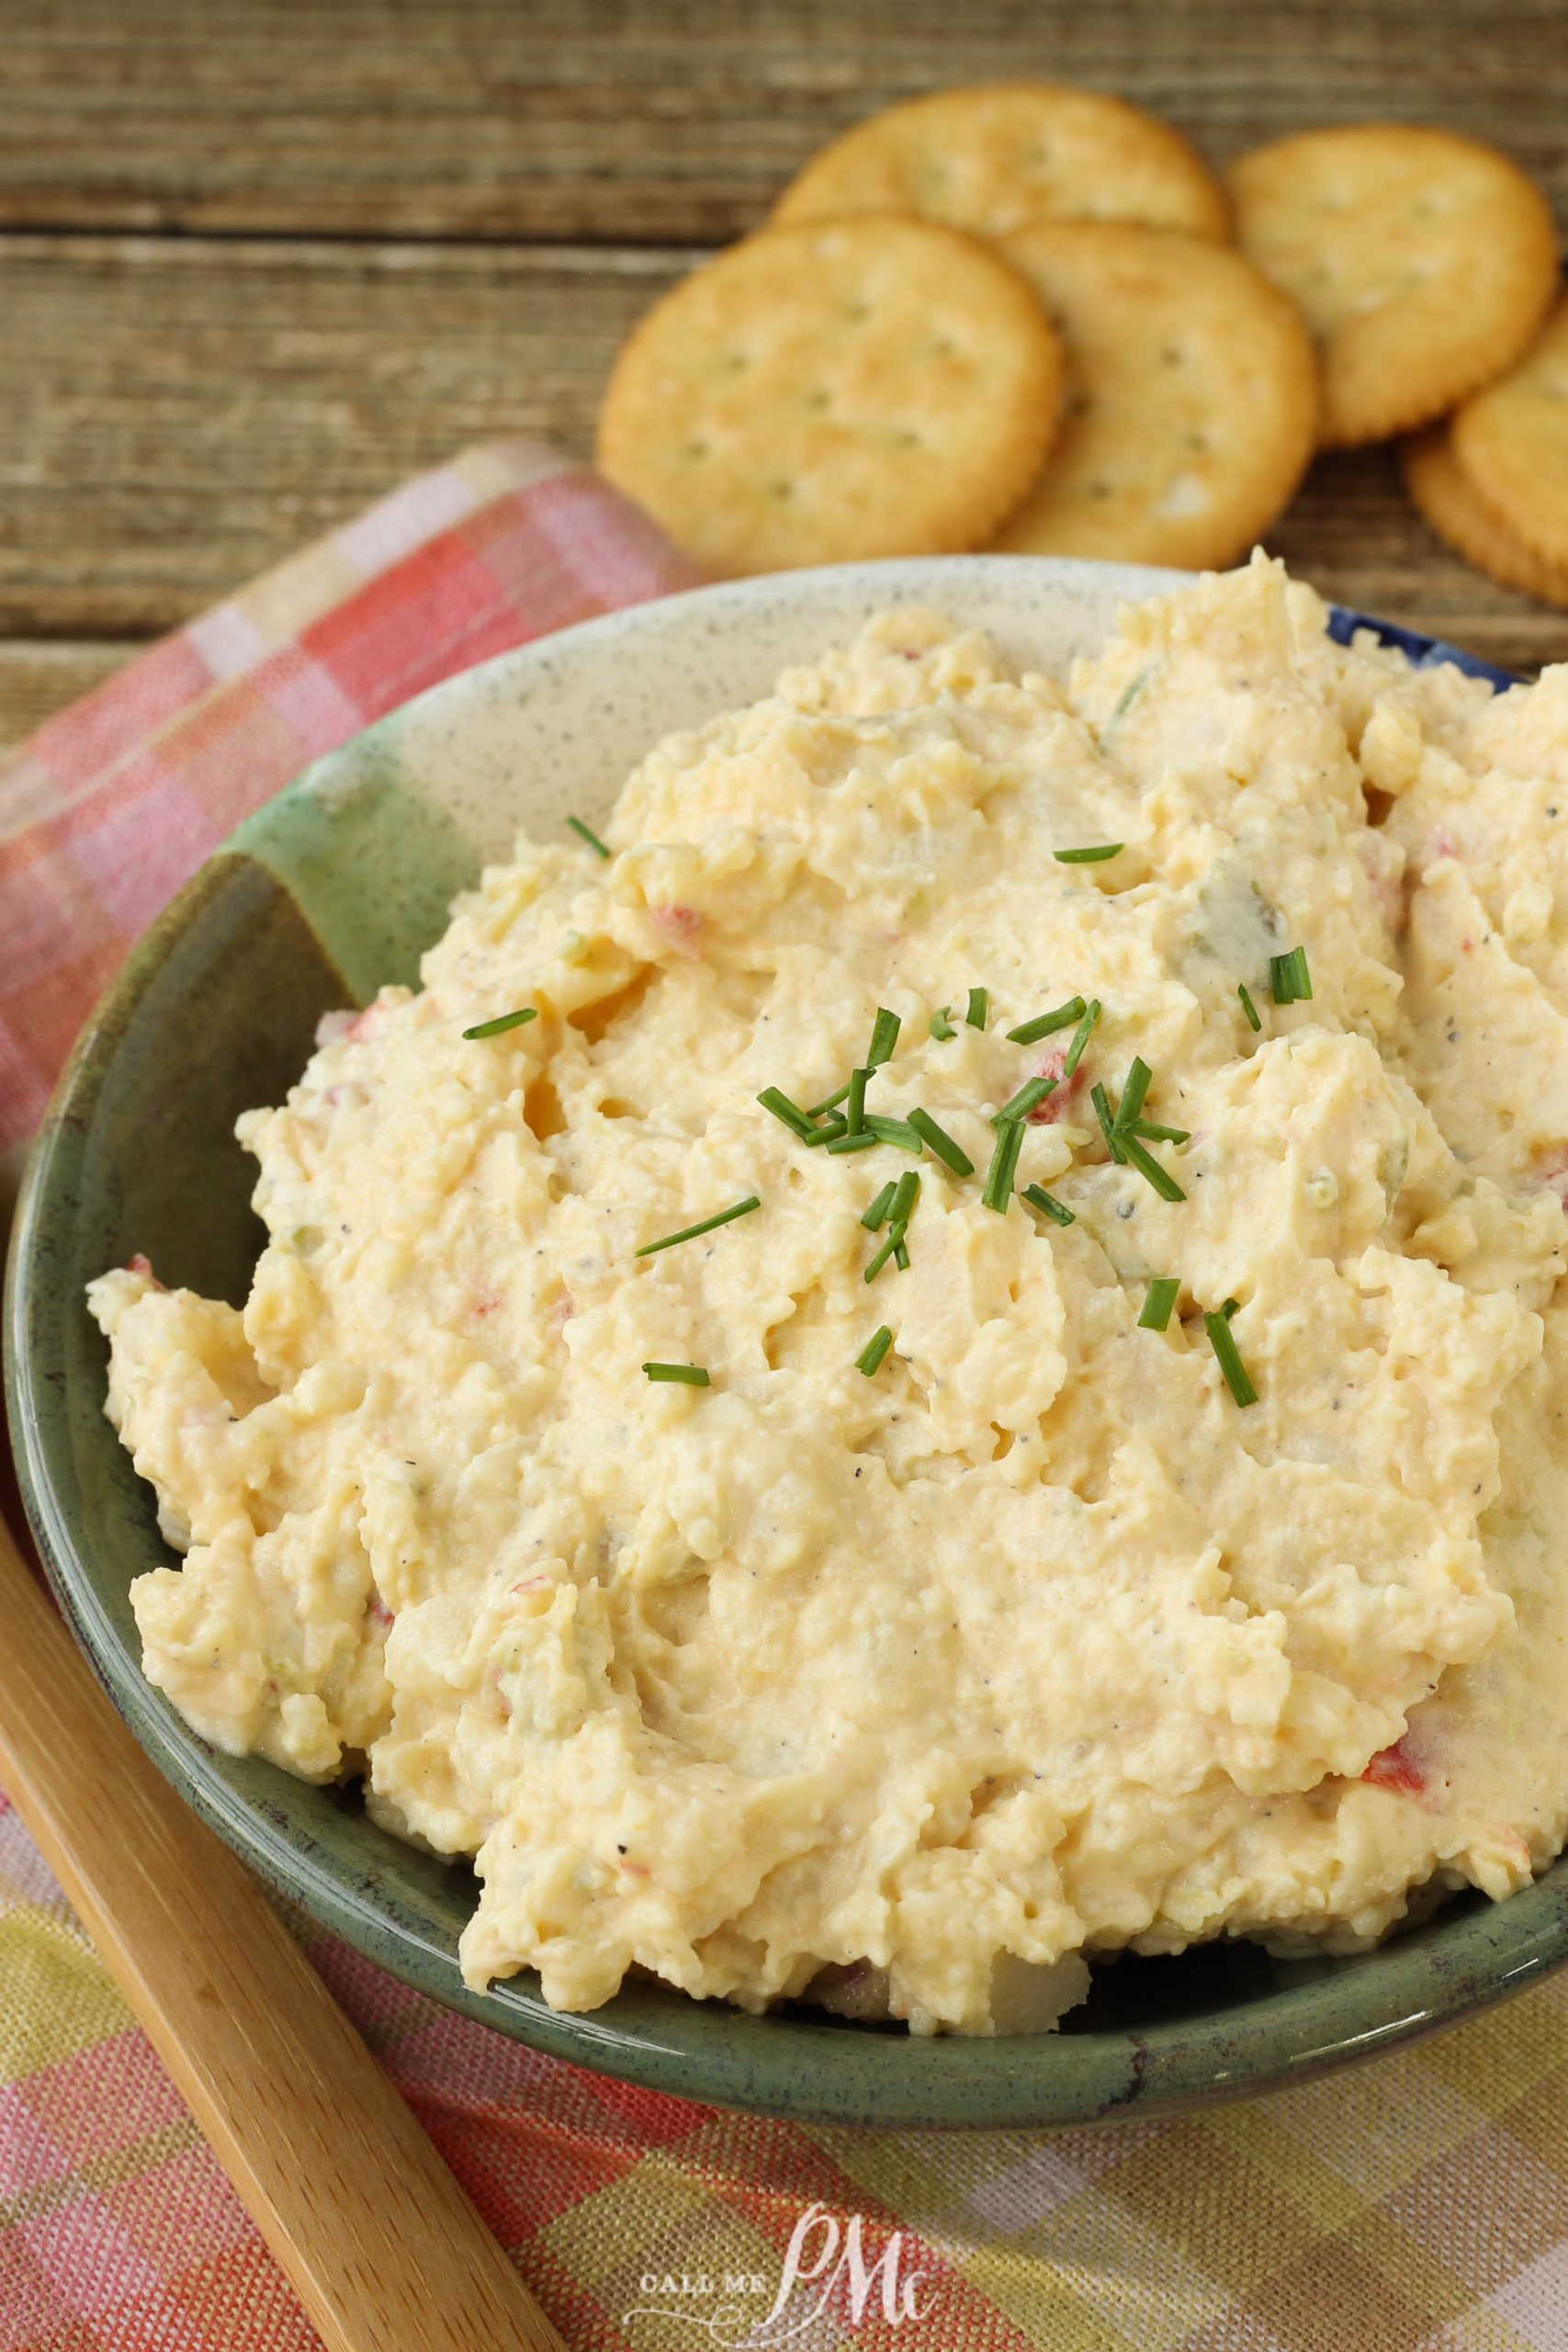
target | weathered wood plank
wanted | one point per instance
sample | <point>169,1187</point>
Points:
<point>177,414</point>
<point>664,121</point>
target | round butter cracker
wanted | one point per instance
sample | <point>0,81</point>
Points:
<point>1422,262</point>
<point>1443,491</point>
<point>852,388</point>
<point>1191,403</point>
<point>990,159</point>
<point>1512,441</point>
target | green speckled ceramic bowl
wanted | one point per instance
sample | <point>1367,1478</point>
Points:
<point>331,889</point>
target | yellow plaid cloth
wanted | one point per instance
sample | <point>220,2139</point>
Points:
<point>1417,2204</point>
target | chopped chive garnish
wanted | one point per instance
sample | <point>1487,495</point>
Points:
<point>1289,977</point>
<point>798,1122</point>
<point>1018,1106</point>
<point>900,1256</point>
<point>849,1141</point>
<point>1247,1004</point>
<point>690,1375</point>
<point>829,1102</point>
<point>1096,856</point>
<point>870,1357</point>
<point>1081,1036</point>
<point>938,1141</point>
<point>1102,1101</point>
<point>1158,1300</point>
<point>1232,1306</point>
<point>585,834</point>
<point>1148,1167</point>
<point>1003,1167</point>
<point>1133,1087</point>
<point>1228,1356</point>
<point>1038,1198</point>
<point>854,1107</point>
<point>891,1240</point>
<point>941,1025</point>
<point>896,1131</point>
<point>708,1225</point>
<point>884,1037</point>
<point>503,1021</point>
<point>830,1130</point>
<point>875,1217</point>
<point>979,1005</point>
<point>1029,1033</point>
<point>1154,1133</point>
<point>905,1193</point>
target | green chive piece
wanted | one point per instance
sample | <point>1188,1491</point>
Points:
<point>829,1102</point>
<point>708,1225</point>
<point>829,1131</point>
<point>854,1108</point>
<point>884,1037</point>
<point>584,833</point>
<point>870,1357</point>
<point>774,1099</point>
<point>1154,1133</point>
<point>941,1025</point>
<point>1247,1004</point>
<point>875,1217</point>
<point>1096,856</point>
<point>890,1242</point>
<point>689,1375</point>
<point>1081,1036</point>
<point>979,1007</point>
<point>905,1193</point>
<point>1003,1167</point>
<point>1159,1301</point>
<point>1032,1091</point>
<point>893,1131</point>
<point>1029,1033</point>
<point>1113,1143</point>
<point>1228,1356</point>
<point>900,1257</point>
<point>1148,1167</point>
<point>851,1142</point>
<point>503,1021</point>
<point>1133,1087</point>
<point>1289,977</point>
<point>1038,1198</point>
<point>938,1141</point>
<point>1232,1306</point>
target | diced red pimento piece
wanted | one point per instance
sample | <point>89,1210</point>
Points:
<point>1554,1173</point>
<point>486,1304</point>
<point>380,1614</point>
<point>144,1266</point>
<point>682,926</point>
<point>1395,1768</point>
<point>1046,1114</point>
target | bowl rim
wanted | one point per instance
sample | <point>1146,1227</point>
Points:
<point>783,2065</point>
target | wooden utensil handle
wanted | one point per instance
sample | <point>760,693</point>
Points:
<point>384,2249</point>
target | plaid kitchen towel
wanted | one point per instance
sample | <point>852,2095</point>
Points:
<point>1417,2204</point>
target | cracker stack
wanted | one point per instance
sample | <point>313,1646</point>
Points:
<point>1014,317</point>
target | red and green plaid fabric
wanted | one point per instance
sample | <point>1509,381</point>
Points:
<point>1419,2204</point>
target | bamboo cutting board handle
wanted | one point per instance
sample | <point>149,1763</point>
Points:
<point>383,2248</point>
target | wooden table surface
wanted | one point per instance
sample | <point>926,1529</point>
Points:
<point>261,258</point>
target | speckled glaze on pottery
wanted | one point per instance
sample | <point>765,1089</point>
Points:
<point>333,888</point>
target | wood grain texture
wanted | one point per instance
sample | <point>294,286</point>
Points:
<point>384,229</point>
<point>382,2247</point>
<point>671,120</point>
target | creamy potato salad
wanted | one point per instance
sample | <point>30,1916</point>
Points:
<point>946,1354</point>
